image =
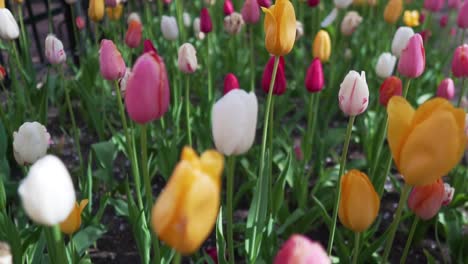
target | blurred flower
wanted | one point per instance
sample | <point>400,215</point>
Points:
<point>433,5</point>
<point>123,82</point>
<point>148,47</point>
<point>342,4</point>
<point>359,202</point>
<point>47,192</point>
<point>210,2</point>
<point>299,30</point>
<point>413,58</point>
<point>454,4</point>
<point>111,63</point>
<point>30,143</point>
<point>353,96</point>
<point>392,86</point>
<point>348,53</point>
<point>230,83</point>
<point>393,11</point>
<point>314,79</point>
<point>115,13</point>
<point>322,46</point>
<point>328,20</point>
<point>372,3</point>
<point>134,34</point>
<point>185,212</point>
<point>54,51</point>
<point>73,221</point>
<point>169,28</point>
<point>213,253</point>
<point>2,73</point>
<point>443,21</point>
<point>9,29</point>
<point>112,3</point>
<point>264,3</point>
<point>133,17</point>
<point>234,122</point>
<point>228,7</point>
<point>422,17</point>
<point>250,11</point>
<point>297,149</point>
<point>425,201</point>
<point>411,18</point>
<point>313,3</point>
<point>359,2</point>
<point>449,191</point>
<point>5,254</point>
<point>196,29</point>
<point>280,27</point>
<point>350,22</point>
<point>233,23</point>
<point>425,35</point>
<point>385,65</point>
<point>280,81</point>
<point>401,39</point>
<point>460,62</point>
<point>96,10</point>
<point>187,58</point>
<point>299,249</point>
<point>446,89</point>
<point>206,26</point>
<point>80,23</point>
<point>167,2</point>
<point>187,19</point>
<point>453,32</point>
<point>462,19</point>
<point>422,148</point>
<point>147,95</point>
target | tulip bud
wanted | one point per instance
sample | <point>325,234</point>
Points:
<point>234,122</point>
<point>233,23</point>
<point>413,58</point>
<point>385,65</point>
<point>167,2</point>
<point>462,19</point>
<point>147,95</point>
<point>350,22</point>
<point>2,73</point>
<point>354,94</point>
<point>299,249</point>
<point>460,62</point>
<point>73,221</point>
<point>393,11</point>
<point>313,3</point>
<point>359,202</point>
<point>30,143</point>
<point>96,10</point>
<point>111,64</point>
<point>54,51</point>
<point>279,27</point>
<point>9,29</point>
<point>446,89</point>
<point>401,39</point>
<point>411,18</point>
<point>322,46</point>
<point>133,35</point>
<point>392,86</point>
<point>47,192</point>
<point>80,23</point>
<point>112,3</point>
<point>443,21</point>
<point>206,26</point>
<point>228,7</point>
<point>187,19</point>
<point>453,32</point>
<point>433,5</point>
<point>342,4</point>
<point>187,60</point>
<point>449,191</point>
<point>425,201</point>
<point>280,81</point>
<point>454,4</point>
<point>250,11</point>
<point>196,29</point>
<point>264,3</point>
<point>299,30</point>
<point>115,13</point>
<point>230,83</point>
<point>5,254</point>
<point>148,47</point>
<point>314,79</point>
<point>169,28</point>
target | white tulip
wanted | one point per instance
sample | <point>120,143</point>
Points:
<point>187,58</point>
<point>354,94</point>
<point>299,30</point>
<point>187,19</point>
<point>234,121</point>
<point>400,40</point>
<point>47,193</point>
<point>54,51</point>
<point>30,143</point>
<point>5,254</point>
<point>385,65</point>
<point>233,23</point>
<point>9,27</point>
<point>342,4</point>
<point>169,28</point>
<point>133,16</point>
<point>196,29</point>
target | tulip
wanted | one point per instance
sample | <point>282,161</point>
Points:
<point>401,39</point>
<point>167,2</point>
<point>96,10</point>
<point>462,19</point>
<point>54,51</point>
<point>112,3</point>
<point>169,28</point>
<point>322,46</point>
<point>460,62</point>
<point>392,86</point>
<point>234,122</point>
<point>2,73</point>
<point>196,28</point>
<point>299,249</point>
<point>433,5</point>
<point>185,212</point>
<point>147,94</point>
<point>206,26</point>
<point>228,7</point>
<point>342,4</point>
<point>446,89</point>
<point>299,30</point>
<point>354,94</point>
<point>213,253</point>
<point>230,83</point>
<point>73,221</point>
<point>133,17</point>
<point>313,3</point>
<point>280,27</point>
<point>411,18</point>
<point>9,29</point>
<point>264,3</point>
<point>250,11</point>
<point>425,201</point>
<point>187,19</point>
<point>210,2</point>
<point>47,192</point>
<point>422,148</point>
<point>30,143</point>
<point>359,202</point>
<point>111,63</point>
<point>393,11</point>
<point>413,58</point>
<point>2,3</point>
<point>454,4</point>
<point>5,253</point>
<point>187,59</point>
<point>425,35</point>
<point>385,65</point>
<point>80,23</point>
<point>443,21</point>
<point>115,13</point>
<point>314,79</point>
<point>350,22</point>
<point>233,23</point>
<point>280,81</point>
<point>134,33</point>
<point>449,191</point>
<point>148,47</point>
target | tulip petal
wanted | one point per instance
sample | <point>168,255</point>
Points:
<point>286,25</point>
<point>83,204</point>
<point>270,26</point>
<point>251,112</point>
<point>400,115</point>
<point>212,163</point>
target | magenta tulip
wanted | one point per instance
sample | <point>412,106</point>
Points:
<point>299,249</point>
<point>460,62</point>
<point>230,83</point>
<point>446,89</point>
<point>413,58</point>
<point>228,7</point>
<point>264,3</point>
<point>280,81</point>
<point>149,47</point>
<point>314,80</point>
<point>251,12</point>
<point>111,63</point>
<point>313,3</point>
<point>462,19</point>
<point>443,21</point>
<point>433,5</point>
<point>454,4</point>
<point>206,26</point>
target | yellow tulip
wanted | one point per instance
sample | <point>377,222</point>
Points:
<point>115,13</point>
<point>73,221</point>
<point>186,210</point>
<point>359,2</point>
<point>322,46</point>
<point>96,10</point>
<point>280,27</point>
<point>2,3</point>
<point>428,142</point>
<point>393,11</point>
<point>411,18</point>
<point>19,1</point>
<point>359,203</point>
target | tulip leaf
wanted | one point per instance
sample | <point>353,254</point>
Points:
<point>3,141</point>
<point>9,233</point>
<point>430,259</point>
<point>87,236</point>
<point>220,240</point>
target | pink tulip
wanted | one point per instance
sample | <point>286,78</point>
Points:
<point>314,80</point>
<point>460,62</point>
<point>413,58</point>
<point>111,64</point>
<point>313,3</point>
<point>446,89</point>
<point>251,12</point>
<point>443,21</point>
<point>149,47</point>
<point>147,93</point>
<point>264,3</point>
<point>167,2</point>
<point>462,20</point>
<point>299,249</point>
<point>449,192</point>
<point>206,26</point>
<point>80,22</point>
<point>228,7</point>
<point>280,81</point>
<point>454,4</point>
<point>425,201</point>
<point>230,83</point>
<point>433,5</point>
<point>453,32</point>
<point>133,35</point>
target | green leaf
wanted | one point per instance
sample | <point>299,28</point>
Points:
<point>87,236</point>
<point>3,141</point>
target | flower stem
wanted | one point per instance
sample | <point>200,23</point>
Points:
<point>406,89</point>
<point>357,237</point>
<point>231,160</point>
<point>344,154</point>
<point>144,166</point>
<point>409,240</point>
<point>177,258</point>
<point>180,19</point>
<point>187,109</point>
<point>396,221</point>
<point>208,65</point>
<point>462,93</point>
<point>56,242</point>
<point>252,59</point>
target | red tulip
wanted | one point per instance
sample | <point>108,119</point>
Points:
<point>462,19</point>
<point>111,63</point>
<point>460,62</point>
<point>391,86</point>
<point>280,81</point>
<point>425,201</point>
<point>230,83</point>
<point>446,89</point>
<point>314,80</point>
<point>133,35</point>
<point>206,26</point>
<point>264,3</point>
<point>413,58</point>
<point>149,47</point>
<point>80,22</point>
<point>299,249</point>
<point>228,7</point>
<point>313,3</point>
<point>2,73</point>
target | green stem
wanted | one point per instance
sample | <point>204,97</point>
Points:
<point>396,222</point>
<point>406,89</point>
<point>208,65</point>
<point>388,166</point>
<point>180,19</point>
<point>409,240</point>
<point>270,148</point>
<point>187,109</point>
<point>49,16</point>
<point>252,59</point>
<point>75,31</point>
<point>380,142</point>
<point>463,36</point>
<point>2,195</point>
<point>439,245</point>
<point>144,166</point>
<point>177,257</point>
<point>462,93</point>
<point>231,160</point>
<point>59,246</point>
<point>344,154</point>
<point>357,237</point>
<point>309,134</point>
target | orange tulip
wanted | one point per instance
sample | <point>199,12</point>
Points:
<point>393,11</point>
<point>115,13</point>
<point>280,27</point>
<point>425,201</point>
<point>73,221</point>
<point>96,10</point>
